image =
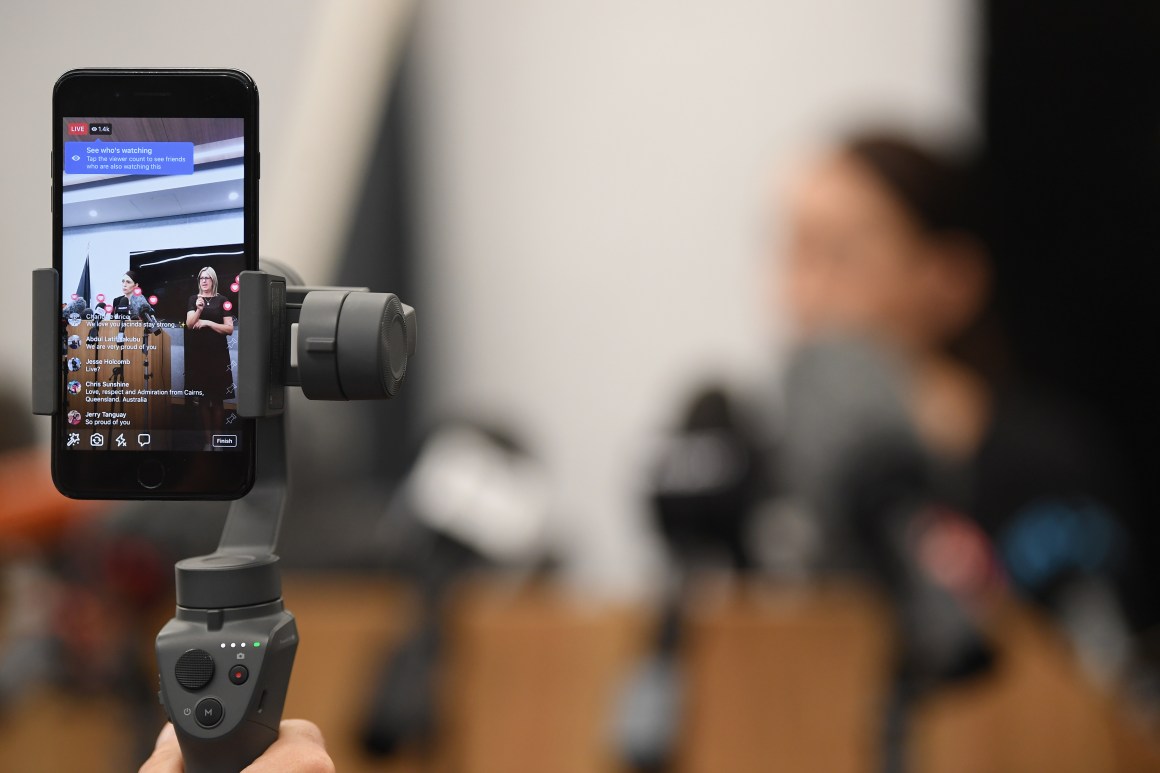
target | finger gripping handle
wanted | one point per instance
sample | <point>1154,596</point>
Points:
<point>231,754</point>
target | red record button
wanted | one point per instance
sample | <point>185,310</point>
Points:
<point>239,674</point>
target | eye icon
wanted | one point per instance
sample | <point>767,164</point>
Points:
<point>76,158</point>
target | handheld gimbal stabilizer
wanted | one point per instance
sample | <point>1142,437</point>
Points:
<point>224,660</point>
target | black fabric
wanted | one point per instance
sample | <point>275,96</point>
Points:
<point>1071,122</point>
<point>1047,486</point>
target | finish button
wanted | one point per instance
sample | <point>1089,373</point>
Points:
<point>208,712</point>
<point>225,441</point>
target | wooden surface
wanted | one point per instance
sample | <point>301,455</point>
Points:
<point>53,731</point>
<point>1036,711</point>
<point>785,680</point>
<point>531,677</point>
<point>778,681</point>
<point>346,625</point>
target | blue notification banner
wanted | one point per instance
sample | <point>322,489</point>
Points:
<point>157,158</point>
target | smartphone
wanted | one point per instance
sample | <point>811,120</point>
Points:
<point>154,216</point>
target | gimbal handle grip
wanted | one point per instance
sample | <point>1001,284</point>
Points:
<point>224,676</point>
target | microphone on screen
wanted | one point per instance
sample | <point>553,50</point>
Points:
<point>140,309</point>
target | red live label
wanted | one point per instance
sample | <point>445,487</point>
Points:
<point>78,128</point>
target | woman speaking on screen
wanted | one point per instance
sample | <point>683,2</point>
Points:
<point>207,355</point>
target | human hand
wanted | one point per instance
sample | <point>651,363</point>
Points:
<point>300,748</point>
<point>199,303</point>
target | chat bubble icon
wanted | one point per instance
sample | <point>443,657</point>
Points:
<point>143,439</point>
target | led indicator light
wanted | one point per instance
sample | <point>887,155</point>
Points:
<point>257,644</point>
<point>223,645</point>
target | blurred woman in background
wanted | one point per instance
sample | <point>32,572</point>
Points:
<point>883,244</point>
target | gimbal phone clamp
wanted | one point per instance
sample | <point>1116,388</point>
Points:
<point>224,660</point>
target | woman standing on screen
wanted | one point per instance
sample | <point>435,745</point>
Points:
<point>129,286</point>
<point>207,354</point>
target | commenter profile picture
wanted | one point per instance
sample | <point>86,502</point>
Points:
<point>74,364</point>
<point>74,342</point>
<point>74,387</point>
<point>74,417</point>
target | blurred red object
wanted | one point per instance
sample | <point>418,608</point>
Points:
<point>31,509</point>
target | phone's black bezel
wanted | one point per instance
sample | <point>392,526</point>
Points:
<point>162,93</point>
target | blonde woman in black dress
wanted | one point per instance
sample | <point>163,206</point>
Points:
<point>207,354</point>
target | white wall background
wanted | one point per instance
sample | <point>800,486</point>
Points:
<point>592,182</point>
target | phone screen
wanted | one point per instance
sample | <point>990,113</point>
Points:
<point>152,246</point>
<point>153,234</point>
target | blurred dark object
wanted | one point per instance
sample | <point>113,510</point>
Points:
<point>346,455</point>
<point>16,431</point>
<point>474,501</point>
<point>709,477</point>
<point>1071,120</point>
<point>849,452</point>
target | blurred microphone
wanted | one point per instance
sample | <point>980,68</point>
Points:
<point>851,454</point>
<point>140,308</point>
<point>475,499</point>
<point>78,307</point>
<point>707,481</point>
<point>1066,554</point>
<point>98,317</point>
<point>852,458</point>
